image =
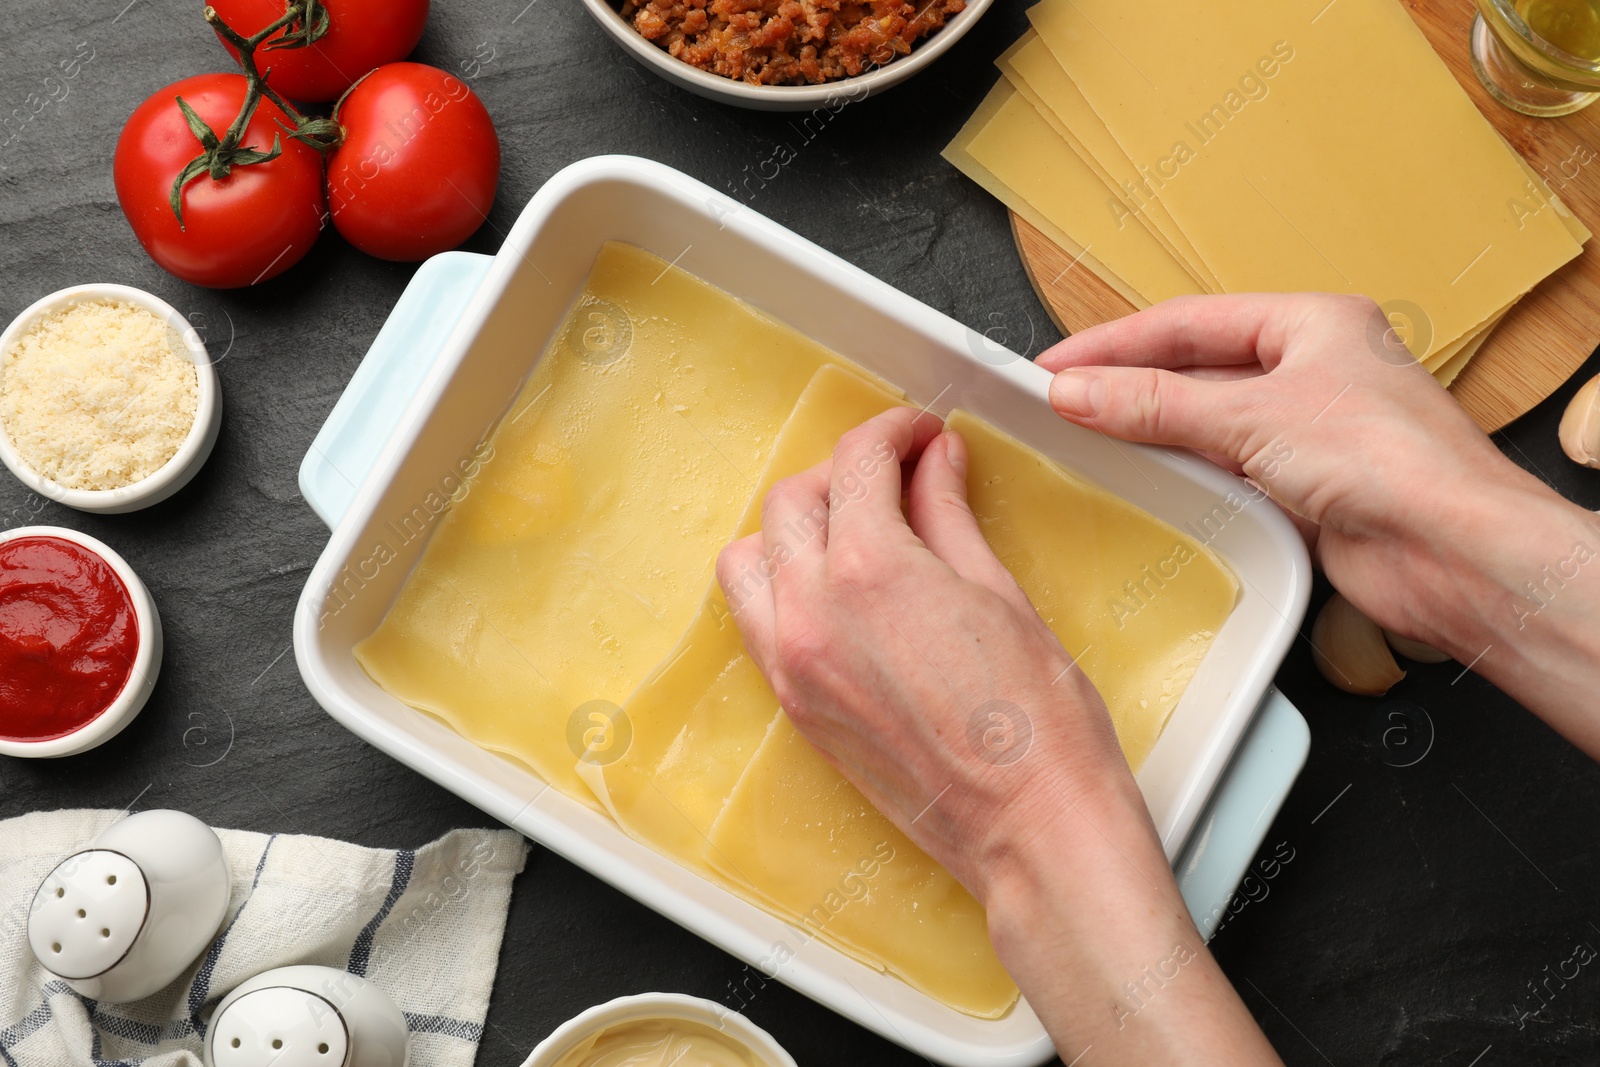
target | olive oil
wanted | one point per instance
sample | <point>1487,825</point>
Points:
<point>1571,25</point>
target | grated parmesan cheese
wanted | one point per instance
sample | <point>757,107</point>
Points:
<point>98,395</point>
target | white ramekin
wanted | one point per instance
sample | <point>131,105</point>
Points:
<point>185,462</point>
<point>668,1007</point>
<point>784,97</point>
<point>146,661</point>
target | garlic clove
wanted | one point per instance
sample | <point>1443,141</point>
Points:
<point>1415,651</point>
<point>1580,425</point>
<point>1350,651</point>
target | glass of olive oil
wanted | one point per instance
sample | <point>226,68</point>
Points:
<point>1539,57</point>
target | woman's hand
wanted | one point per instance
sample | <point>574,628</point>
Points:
<point>907,653</point>
<point>1301,394</point>
<point>903,649</point>
<point>1413,513</point>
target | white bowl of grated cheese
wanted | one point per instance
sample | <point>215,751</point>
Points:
<point>108,399</point>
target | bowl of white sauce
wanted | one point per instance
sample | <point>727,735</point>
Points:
<point>652,1029</point>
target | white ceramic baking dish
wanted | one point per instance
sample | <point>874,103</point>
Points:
<point>455,352</point>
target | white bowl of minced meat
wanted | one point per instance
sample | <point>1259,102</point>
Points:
<point>108,399</point>
<point>786,55</point>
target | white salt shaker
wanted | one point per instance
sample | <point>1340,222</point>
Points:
<point>307,1017</point>
<point>129,914</point>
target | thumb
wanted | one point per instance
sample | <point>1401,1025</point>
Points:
<point>1158,407</point>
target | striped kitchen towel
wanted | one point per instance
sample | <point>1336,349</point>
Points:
<point>424,925</point>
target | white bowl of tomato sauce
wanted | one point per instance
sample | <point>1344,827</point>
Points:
<point>80,642</point>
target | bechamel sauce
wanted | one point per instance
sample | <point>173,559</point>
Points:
<point>661,1043</point>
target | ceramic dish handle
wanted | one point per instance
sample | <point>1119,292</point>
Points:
<point>1235,821</point>
<point>387,380</point>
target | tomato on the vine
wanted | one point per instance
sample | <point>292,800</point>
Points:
<point>417,171</point>
<point>249,226</point>
<point>361,35</point>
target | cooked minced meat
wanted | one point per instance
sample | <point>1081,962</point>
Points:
<point>787,42</point>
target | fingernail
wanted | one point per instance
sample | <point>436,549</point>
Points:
<point>955,450</point>
<point>1050,355</point>
<point>1077,392</point>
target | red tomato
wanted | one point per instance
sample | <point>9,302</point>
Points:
<point>417,171</point>
<point>362,34</point>
<point>254,224</point>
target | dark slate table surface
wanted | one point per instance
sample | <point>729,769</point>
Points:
<point>1422,902</point>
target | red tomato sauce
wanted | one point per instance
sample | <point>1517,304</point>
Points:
<point>68,637</point>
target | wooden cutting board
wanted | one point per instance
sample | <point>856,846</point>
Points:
<point>1544,338</point>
